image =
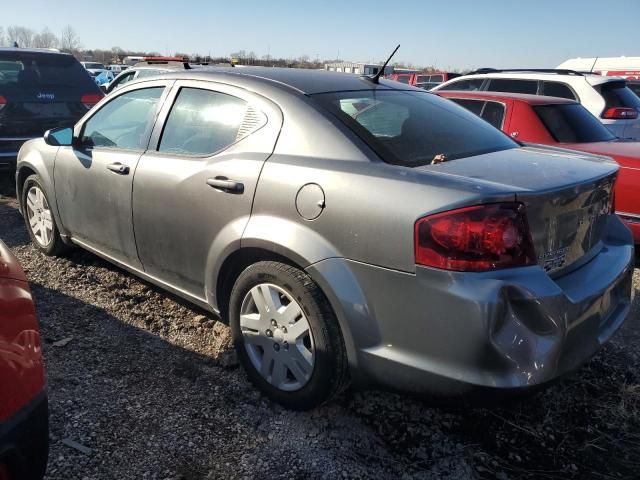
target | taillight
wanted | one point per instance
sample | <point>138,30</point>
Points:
<point>620,113</point>
<point>90,99</point>
<point>3,102</point>
<point>4,472</point>
<point>475,239</point>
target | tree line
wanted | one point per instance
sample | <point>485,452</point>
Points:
<point>68,41</point>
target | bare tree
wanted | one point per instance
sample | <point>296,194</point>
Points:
<point>20,35</point>
<point>2,37</point>
<point>69,41</point>
<point>45,39</point>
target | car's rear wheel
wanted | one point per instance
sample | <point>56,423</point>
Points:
<point>286,335</point>
<point>39,218</point>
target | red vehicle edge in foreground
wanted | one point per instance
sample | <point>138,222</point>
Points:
<point>24,432</point>
<point>562,123</point>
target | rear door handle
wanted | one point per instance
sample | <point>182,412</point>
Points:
<point>118,168</point>
<point>223,184</point>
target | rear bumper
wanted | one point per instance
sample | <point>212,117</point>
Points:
<point>24,441</point>
<point>446,332</point>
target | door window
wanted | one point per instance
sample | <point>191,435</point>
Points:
<point>472,84</point>
<point>474,106</point>
<point>124,122</point>
<point>513,86</point>
<point>203,122</point>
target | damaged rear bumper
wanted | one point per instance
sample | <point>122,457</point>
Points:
<point>444,332</point>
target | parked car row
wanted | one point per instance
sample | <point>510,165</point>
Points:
<point>347,228</point>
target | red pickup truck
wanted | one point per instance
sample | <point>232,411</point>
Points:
<point>423,80</point>
<point>562,123</point>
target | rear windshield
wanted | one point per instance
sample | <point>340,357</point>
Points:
<point>617,94</point>
<point>94,65</point>
<point>572,123</point>
<point>634,87</point>
<point>412,128</point>
<point>26,70</point>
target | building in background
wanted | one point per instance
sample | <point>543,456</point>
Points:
<point>364,68</point>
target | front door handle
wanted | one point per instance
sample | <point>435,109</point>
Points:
<point>223,184</point>
<point>118,168</point>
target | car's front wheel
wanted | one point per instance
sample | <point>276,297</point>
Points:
<point>286,335</point>
<point>39,218</point>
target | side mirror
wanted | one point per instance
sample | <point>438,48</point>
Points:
<point>105,88</point>
<point>59,137</point>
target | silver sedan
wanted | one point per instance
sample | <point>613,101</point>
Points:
<point>348,230</point>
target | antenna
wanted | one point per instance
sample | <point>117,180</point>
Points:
<point>376,77</point>
<point>594,64</point>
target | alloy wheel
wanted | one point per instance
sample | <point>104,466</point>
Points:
<point>277,337</point>
<point>39,216</point>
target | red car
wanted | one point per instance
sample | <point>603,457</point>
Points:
<point>24,426</point>
<point>562,123</point>
<point>426,80</point>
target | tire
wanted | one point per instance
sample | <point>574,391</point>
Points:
<point>274,340</point>
<point>34,196</point>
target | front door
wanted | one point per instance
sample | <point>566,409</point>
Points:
<point>194,187</point>
<point>94,178</point>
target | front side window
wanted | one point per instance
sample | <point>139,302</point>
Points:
<point>124,122</point>
<point>572,123</point>
<point>513,86</point>
<point>411,128</point>
<point>203,122</point>
<point>471,84</point>
<point>127,77</point>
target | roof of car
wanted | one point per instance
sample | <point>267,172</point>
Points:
<point>304,80</point>
<point>33,50</point>
<point>591,78</point>
<point>522,97</point>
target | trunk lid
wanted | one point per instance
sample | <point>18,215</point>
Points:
<point>567,196</point>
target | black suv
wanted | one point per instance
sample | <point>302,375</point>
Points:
<point>39,90</point>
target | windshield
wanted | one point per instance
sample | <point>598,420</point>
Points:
<point>617,94</point>
<point>20,70</point>
<point>572,123</point>
<point>413,128</point>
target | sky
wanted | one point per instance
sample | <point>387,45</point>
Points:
<point>446,34</point>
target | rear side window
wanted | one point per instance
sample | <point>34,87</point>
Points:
<point>493,112</point>
<point>124,122</point>
<point>412,128</point>
<point>513,86</point>
<point>557,89</point>
<point>203,122</point>
<point>26,70</point>
<point>472,84</point>
<point>572,123</point>
<point>617,94</point>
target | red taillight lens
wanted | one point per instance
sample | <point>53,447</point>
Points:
<point>3,102</point>
<point>90,99</point>
<point>4,472</point>
<point>619,113</point>
<point>475,239</point>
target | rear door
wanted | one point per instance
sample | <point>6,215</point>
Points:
<point>193,189</point>
<point>39,91</point>
<point>94,178</point>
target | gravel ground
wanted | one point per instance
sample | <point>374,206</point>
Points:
<point>149,385</point>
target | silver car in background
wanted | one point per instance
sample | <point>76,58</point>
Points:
<point>348,230</point>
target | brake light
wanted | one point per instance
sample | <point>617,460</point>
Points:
<point>620,113</point>
<point>3,102</point>
<point>475,239</point>
<point>90,99</point>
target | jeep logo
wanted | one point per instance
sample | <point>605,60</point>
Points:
<point>45,96</point>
